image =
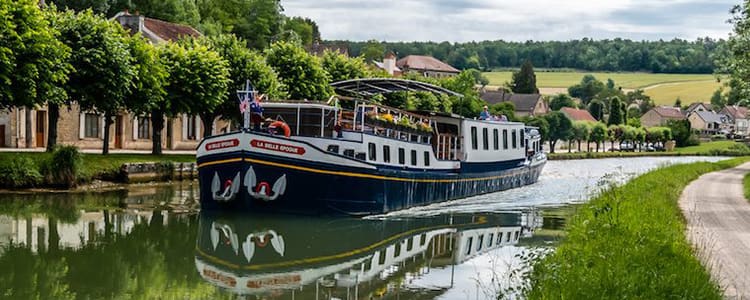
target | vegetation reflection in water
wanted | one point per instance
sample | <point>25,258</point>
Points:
<point>150,242</point>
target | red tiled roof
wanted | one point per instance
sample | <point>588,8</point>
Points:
<point>737,112</point>
<point>522,102</point>
<point>669,112</point>
<point>577,114</point>
<point>427,63</point>
<point>169,31</point>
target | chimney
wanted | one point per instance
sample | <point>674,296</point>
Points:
<point>131,22</point>
<point>389,63</point>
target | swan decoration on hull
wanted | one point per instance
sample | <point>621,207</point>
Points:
<point>231,188</point>
<point>263,190</point>
<point>223,234</point>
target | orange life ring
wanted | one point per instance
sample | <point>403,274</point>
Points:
<point>283,126</point>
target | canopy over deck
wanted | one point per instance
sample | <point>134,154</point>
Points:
<point>367,87</point>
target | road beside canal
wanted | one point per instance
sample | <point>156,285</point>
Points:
<point>718,219</point>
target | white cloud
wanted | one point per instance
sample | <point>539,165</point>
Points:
<point>466,20</point>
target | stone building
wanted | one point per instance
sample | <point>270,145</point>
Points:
<point>660,115</point>
<point>525,104</point>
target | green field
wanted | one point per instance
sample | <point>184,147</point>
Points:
<point>663,88</point>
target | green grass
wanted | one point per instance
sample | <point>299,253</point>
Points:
<point>708,147</point>
<point>688,92</point>
<point>746,184</point>
<point>98,166</point>
<point>629,243</point>
<point>626,80</point>
<point>716,148</point>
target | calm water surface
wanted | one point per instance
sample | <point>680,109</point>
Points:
<point>151,242</point>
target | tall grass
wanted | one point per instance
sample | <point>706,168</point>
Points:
<point>746,184</point>
<point>629,243</point>
<point>19,172</point>
<point>63,167</point>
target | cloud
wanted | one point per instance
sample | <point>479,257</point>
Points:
<point>468,20</point>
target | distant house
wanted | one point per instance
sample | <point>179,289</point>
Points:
<point>525,104</point>
<point>27,127</point>
<point>575,114</point>
<point>426,66</point>
<point>318,49</point>
<point>738,119</point>
<point>698,106</point>
<point>709,123</point>
<point>389,65</point>
<point>660,115</point>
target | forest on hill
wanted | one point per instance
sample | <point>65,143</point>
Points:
<point>615,55</point>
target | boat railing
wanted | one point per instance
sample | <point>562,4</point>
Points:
<point>390,122</point>
<point>449,147</point>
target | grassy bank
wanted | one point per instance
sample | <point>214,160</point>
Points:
<point>92,166</point>
<point>746,184</point>
<point>717,148</point>
<point>629,243</point>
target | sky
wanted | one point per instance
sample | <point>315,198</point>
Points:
<point>540,20</point>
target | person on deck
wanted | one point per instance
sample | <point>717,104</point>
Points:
<point>485,114</point>
<point>256,110</point>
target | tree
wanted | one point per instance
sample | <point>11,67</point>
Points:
<point>479,78</point>
<point>373,50</point>
<point>616,114</point>
<point>561,100</point>
<point>504,108</point>
<point>300,72</point>
<point>147,95</point>
<point>302,29</point>
<point>524,80</point>
<point>581,132</point>
<point>244,64</point>
<point>717,99</point>
<point>103,71</point>
<point>682,133</point>
<point>596,108</point>
<point>678,102</point>
<point>340,67</point>
<point>541,124</point>
<point>737,63</point>
<point>598,134</point>
<point>33,63</point>
<point>197,83</point>
<point>560,128</point>
<point>587,89</point>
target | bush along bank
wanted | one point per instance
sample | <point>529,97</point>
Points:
<point>629,243</point>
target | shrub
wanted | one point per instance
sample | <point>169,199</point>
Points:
<point>718,137</point>
<point>19,172</point>
<point>63,167</point>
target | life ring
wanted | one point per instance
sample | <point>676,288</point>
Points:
<point>280,124</point>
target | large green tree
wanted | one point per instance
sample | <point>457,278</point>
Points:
<point>103,67</point>
<point>197,83</point>
<point>560,128</point>
<point>737,64</point>
<point>587,89</point>
<point>524,80</point>
<point>616,113</point>
<point>340,67</point>
<point>300,72</point>
<point>561,100</point>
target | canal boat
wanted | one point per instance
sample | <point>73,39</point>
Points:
<point>306,256</point>
<point>355,157</point>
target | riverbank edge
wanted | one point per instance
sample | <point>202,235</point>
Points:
<point>629,242</point>
<point>601,155</point>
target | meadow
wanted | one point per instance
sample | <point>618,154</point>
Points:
<point>663,88</point>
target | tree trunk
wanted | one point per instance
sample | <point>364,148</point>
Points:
<point>157,126</point>
<point>107,123</point>
<point>552,146</point>
<point>579,145</point>
<point>208,124</point>
<point>588,146</point>
<point>53,115</point>
<point>597,146</point>
<point>53,240</point>
<point>570,145</point>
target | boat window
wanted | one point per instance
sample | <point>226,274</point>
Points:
<point>495,139</point>
<point>413,157</point>
<point>507,238</point>
<point>474,143</point>
<point>422,239</point>
<point>401,156</point>
<point>489,240</point>
<point>516,235</point>
<point>397,251</point>
<point>513,137</point>
<point>480,241</point>
<point>468,245</point>
<point>522,138</point>
<point>349,152</point>
<point>360,156</point>
<point>427,158</point>
<point>371,150</point>
<point>410,243</point>
<point>381,258</point>
<point>333,148</point>
<point>485,139</point>
<point>386,153</point>
<point>505,138</point>
<point>499,238</point>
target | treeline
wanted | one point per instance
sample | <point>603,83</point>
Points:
<point>675,56</point>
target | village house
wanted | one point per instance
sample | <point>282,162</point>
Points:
<point>575,114</point>
<point>426,66</point>
<point>738,119</point>
<point>525,104</point>
<point>708,122</point>
<point>389,65</point>
<point>661,115</point>
<point>698,106</point>
<point>27,127</point>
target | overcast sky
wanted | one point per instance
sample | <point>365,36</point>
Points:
<point>467,20</point>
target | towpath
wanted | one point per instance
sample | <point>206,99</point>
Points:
<point>718,219</point>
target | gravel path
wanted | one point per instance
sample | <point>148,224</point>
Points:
<point>718,218</point>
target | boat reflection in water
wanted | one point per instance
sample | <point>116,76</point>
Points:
<point>309,258</point>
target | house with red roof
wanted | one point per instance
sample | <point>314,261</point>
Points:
<point>738,119</point>
<point>575,114</point>
<point>660,115</point>
<point>426,66</point>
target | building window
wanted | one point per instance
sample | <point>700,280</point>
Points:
<point>427,158</point>
<point>386,153</point>
<point>474,143</point>
<point>505,138</point>
<point>495,139</point>
<point>401,156</point>
<point>92,126</point>
<point>413,157</point>
<point>143,128</point>
<point>191,127</point>
<point>371,151</point>
<point>513,137</point>
<point>485,139</point>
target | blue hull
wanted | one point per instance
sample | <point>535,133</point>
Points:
<point>316,188</point>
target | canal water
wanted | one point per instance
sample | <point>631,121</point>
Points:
<point>151,241</point>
